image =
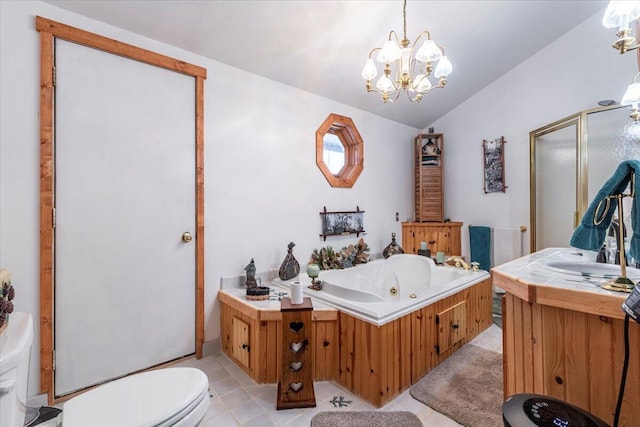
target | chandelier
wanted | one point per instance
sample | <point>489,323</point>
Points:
<point>620,14</point>
<point>631,98</point>
<point>406,68</point>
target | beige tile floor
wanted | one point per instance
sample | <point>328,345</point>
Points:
<point>238,401</point>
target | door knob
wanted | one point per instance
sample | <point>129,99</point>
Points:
<point>186,237</point>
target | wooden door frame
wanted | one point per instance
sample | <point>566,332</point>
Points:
<point>49,30</point>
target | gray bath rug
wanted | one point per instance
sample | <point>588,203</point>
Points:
<point>466,387</point>
<point>366,419</point>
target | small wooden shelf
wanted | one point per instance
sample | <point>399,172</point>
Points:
<point>295,388</point>
<point>342,223</point>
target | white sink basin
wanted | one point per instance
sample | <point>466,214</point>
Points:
<point>591,269</point>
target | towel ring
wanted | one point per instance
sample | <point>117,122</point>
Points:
<point>632,189</point>
<point>598,220</point>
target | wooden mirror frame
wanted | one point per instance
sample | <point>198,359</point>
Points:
<point>344,128</point>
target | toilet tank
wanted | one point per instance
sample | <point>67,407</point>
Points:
<point>15,349</point>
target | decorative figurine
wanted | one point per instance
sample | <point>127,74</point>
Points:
<point>313,271</point>
<point>393,248</point>
<point>290,267</point>
<point>251,274</point>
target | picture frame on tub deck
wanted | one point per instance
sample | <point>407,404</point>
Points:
<point>493,157</point>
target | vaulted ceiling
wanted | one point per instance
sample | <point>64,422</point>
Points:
<point>321,46</point>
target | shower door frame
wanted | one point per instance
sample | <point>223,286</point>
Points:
<point>582,164</point>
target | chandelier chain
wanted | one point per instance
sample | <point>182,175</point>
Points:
<point>404,19</point>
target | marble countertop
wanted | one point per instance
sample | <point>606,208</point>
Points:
<point>235,296</point>
<point>534,278</point>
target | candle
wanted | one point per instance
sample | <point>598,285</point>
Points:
<point>440,257</point>
<point>423,246</point>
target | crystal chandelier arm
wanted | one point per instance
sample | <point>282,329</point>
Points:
<point>420,37</point>
<point>393,33</point>
<point>622,46</point>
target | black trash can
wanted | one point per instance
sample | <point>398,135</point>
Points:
<point>534,410</point>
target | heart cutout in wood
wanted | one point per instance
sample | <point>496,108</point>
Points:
<point>295,386</point>
<point>295,366</point>
<point>296,326</point>
<point>298,346</point>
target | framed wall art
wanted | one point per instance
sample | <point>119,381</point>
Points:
<point>341,223</point>
<point>493,156</point>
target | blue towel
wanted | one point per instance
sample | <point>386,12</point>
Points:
<point>590,236</point>
<point>480,245</point>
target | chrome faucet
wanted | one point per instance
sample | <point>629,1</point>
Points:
<point>459,262</point>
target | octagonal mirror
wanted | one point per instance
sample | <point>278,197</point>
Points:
<point>339,151</point>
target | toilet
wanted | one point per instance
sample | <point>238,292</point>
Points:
<point>177,397</point>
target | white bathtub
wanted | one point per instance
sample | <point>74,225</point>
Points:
<point>384,290</point>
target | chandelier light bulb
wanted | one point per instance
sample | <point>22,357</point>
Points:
<point>631,96</point>
<point>620,14</point>
<point>390,52</point>
<point>428,52</point>
<point>421,84</point>
<point>369,71</point>
<point>385,85</point>
<point>444,67</point>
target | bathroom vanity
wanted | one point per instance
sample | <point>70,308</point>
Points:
<point>563,334</point>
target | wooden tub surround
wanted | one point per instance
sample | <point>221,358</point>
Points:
<point>565,340</point>
<point>251,338</point>
<point>377,363</point>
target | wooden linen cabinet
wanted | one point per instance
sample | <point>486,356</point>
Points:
<point>428,167</point>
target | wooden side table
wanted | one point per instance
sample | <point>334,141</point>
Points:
<point>295,388</point>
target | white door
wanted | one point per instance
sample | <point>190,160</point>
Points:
<point>124,196</point>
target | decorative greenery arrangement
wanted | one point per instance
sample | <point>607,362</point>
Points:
<point>328,259</point>
<point>7,294</point>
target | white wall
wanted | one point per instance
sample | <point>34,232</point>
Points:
<point>262,186</point>
<point>569,75</point>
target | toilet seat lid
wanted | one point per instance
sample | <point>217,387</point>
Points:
<point>140,400</point>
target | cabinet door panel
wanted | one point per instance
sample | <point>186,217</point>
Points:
<point>452,325</point>
<point>240,341</point>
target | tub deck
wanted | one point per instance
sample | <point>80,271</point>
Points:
<point>376,362</point>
